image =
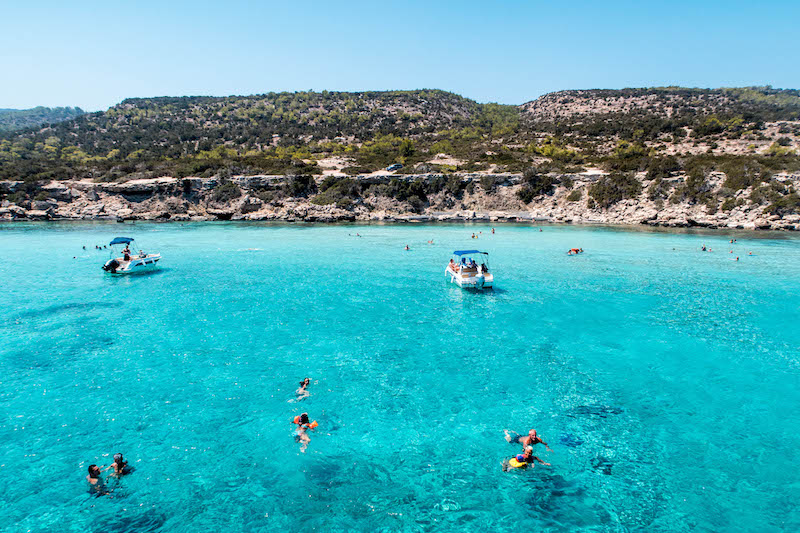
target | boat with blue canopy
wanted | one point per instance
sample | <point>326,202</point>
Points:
<point>124,261</point>
<point>469,269</point>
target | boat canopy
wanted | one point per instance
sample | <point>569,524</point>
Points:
<point>121,240</point>
<point>467,252</point>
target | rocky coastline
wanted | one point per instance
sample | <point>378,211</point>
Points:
<point>193,199</point>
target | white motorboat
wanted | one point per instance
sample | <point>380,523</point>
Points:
<point>126,262</point>
<point>469,269</point>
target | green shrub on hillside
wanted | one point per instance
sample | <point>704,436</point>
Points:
<point>662,167</point>
<point>334,189</point>
<point>225,192</point>
<point>535,184</point>
<point>694,190</point>
<point>300,186</point>
<point>614,188</point>
<point>628,157</point>
<point>574,196</point>
<point>741,173</point>
<point>659,189</point>
<point>488,183</point>
<point>786,205</point>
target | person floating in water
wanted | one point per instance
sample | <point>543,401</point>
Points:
<point>407,248</point>
<point>522,460</point>
<point>96,484</point>
<point>704,248</point>
<point>302,391</point>
<point>575,251</point>
<point>303,427</point>
<point>492,231</point>
<point>531,439</point>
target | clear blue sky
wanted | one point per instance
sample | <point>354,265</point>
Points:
<point>94,54</point>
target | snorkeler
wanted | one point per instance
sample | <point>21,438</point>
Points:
<point>302,391</point>
<point>530,439</point>
<point>303,427</point>
<point>120,466</point>
<point>522,460</point>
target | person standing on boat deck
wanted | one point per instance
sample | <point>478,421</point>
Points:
<point>530,439</point>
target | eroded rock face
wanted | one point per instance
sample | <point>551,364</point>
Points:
<point>185,199</point>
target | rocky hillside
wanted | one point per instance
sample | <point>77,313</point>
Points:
<point>764,104</point>
<point>566,198</point>
<point>717,150</point>
<point>19,119</point>
<point>675,117</point>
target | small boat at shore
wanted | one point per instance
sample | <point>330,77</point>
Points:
<point>469,269</point>
<point>126,262</point>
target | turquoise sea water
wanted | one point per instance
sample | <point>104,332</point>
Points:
<point>666,380</point>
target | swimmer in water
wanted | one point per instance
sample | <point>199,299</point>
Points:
<point>525,457</point>
<point>96,484</point>
<point>301,433</point>
<point>530,439</point>
<point>119,465</point>
<point>302,392</point>
<point>407,248</point>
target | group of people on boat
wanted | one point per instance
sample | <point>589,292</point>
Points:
<point>97,485</point>
<point>466,262</point>
<point>526,458</point>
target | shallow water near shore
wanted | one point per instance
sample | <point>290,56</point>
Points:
<point>666,379</point>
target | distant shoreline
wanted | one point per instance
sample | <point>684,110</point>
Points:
<point>467,198</point>
<point>640,228</point>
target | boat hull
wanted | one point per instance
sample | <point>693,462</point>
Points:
<point>469,281</point>
<point>134,266</point>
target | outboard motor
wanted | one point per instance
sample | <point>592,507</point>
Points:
<point>111,266</point>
